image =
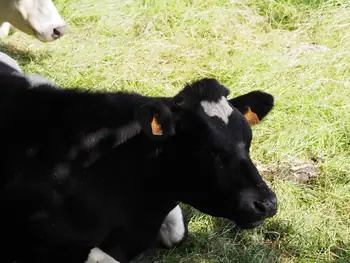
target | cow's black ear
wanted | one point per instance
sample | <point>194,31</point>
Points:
<point>254,105</point>
<point>156,120</point>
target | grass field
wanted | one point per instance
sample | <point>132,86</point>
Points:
<point>298,50</point>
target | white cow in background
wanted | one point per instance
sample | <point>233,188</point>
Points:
<point>38,18</point>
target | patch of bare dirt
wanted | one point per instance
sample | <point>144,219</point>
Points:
<point>294,170</point>
<point>304,48</point>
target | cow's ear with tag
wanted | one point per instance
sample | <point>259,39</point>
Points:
<point>254,105</point>
<point>156,120</point>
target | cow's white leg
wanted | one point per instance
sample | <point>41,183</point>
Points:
<point>98,256</point>
<point>173,229</point>
<point>4,29</point>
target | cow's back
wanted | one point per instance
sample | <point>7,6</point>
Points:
<point>67,178</point>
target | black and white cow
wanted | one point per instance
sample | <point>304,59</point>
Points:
<point>87,170</point>
<point>38,18</point>
<point>174,228</point>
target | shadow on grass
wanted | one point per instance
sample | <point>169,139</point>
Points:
<point>221,241</point>
<point>24,57</point>
<point>201,247</point>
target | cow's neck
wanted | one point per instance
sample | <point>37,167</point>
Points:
<point>81,109</point>
<point>4,11</point>
<point>105,110</point>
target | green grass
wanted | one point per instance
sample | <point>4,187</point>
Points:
<point>154,47</point>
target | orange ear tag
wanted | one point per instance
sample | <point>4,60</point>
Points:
<point>156,127</point>
<point>251,117</point>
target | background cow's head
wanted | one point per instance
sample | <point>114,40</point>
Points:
<point>211,149</point>
<point>39,18</point>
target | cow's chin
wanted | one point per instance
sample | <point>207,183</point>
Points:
<point>249,225</point>
<point>246,221</point>
<point>44,37</point>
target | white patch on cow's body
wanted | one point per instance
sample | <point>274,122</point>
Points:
<point>173,229</point>
<point>220,109</point>
<point>39,18</point>
<point>98,256</point>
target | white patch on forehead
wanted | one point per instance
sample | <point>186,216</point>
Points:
<point>220,109</point>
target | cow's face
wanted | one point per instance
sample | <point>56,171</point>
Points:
<point>212,145</point>
<point>39,18</point>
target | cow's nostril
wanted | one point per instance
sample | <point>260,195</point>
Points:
<point>259,207</point>
<point>56,32</point>
<point>59,31</point>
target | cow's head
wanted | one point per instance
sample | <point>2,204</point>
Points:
<point>210,153</point>
<point>39,18</point>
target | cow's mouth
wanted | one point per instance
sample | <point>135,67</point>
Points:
<point>42,36</point>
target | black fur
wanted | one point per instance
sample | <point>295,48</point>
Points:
<point>73,177</point>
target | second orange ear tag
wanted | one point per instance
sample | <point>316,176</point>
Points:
<point>156,127</point>
<point>251,117</point>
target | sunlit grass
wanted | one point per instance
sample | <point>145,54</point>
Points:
<point>154,47</point>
